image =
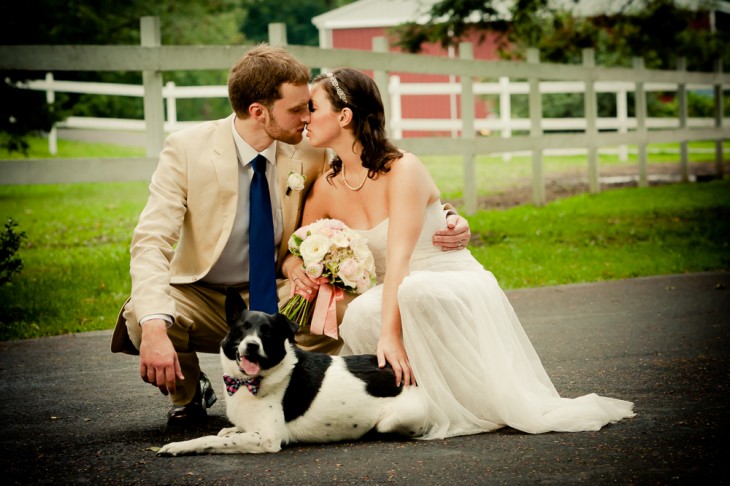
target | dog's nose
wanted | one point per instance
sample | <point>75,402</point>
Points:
<point>252,348</point>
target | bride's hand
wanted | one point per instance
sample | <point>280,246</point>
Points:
<point>294,268</point>
<point>391,350</point>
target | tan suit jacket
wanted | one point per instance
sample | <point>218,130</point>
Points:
<point>191,209</point>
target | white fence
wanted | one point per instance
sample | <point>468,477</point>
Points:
<point>152,59</point>
<point>502,122</point>
<point>170,92</point>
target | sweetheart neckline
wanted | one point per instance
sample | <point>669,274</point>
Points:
<point>374,227</point>
<point>437,201</point>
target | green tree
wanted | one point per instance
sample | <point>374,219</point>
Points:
<point>105,22</point>
<point>657,30</point>
<point>296,15</point>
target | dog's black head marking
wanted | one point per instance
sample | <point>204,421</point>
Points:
<point>255,338</point>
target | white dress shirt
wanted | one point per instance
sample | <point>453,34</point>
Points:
<point>233,267</point>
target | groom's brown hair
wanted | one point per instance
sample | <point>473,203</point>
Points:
<point>257,77</point>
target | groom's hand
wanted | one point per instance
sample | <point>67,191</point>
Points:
<point>158,364</point>
<point>456,234</point>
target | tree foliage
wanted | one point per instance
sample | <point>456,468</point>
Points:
<point>107,22</point>
<point>103,22</point>
<point>296,15</point>
<point>660,31</point>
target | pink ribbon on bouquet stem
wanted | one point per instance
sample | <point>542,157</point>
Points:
<point>324,319</point>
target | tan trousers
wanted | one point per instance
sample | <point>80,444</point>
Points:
<point>200,325</point>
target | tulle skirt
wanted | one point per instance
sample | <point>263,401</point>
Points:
<point>471,356</point>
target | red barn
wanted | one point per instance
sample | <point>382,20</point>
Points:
<point>355,25</point>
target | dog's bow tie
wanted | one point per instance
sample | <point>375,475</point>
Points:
<point>233,384</point>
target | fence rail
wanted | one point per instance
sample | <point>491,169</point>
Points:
<point>532,78</point>
<point>503,122</point>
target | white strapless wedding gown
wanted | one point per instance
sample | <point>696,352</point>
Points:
<point>466,347</point>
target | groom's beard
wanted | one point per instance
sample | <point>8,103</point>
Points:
<point>276,132</point>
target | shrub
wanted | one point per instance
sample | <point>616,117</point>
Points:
<point>10,241</point>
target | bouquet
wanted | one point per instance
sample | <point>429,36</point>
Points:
<point>340,260</point>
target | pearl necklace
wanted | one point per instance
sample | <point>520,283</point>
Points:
<point>355,188</point>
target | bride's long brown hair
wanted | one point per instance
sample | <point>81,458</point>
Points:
<point>368,119</point>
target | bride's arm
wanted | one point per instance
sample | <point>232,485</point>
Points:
<point>410,189</point>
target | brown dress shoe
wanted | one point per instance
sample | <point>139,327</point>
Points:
<point>194,412</point>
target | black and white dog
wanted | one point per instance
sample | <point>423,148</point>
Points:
<point>279,394</point>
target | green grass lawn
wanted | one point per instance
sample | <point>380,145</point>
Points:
<point>38,149</point>
<point>494,174</point>
<point>617,234</point>
<point>76,255</point>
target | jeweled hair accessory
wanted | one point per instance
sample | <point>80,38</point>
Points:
<point>336,85</point>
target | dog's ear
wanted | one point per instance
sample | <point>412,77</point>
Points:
<point>290,327</point>
<point>235,306</point>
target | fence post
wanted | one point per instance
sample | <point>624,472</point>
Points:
<point>719,167</point>
<point>171,106</point>
<point>505,112</point>
<point>154,117</point>
<point>453,111</point>
<point>277,34</point>
<point>622,114</point>
<point>396,112</point>
<point>468,134</point>
<point>380,44</point>
<point>640,109</point>
<point>682,108</point>
<point>535,99</point>
<point>591,114</point>
<point>50,99</point>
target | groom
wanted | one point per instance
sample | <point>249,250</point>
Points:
<point>192,240</point>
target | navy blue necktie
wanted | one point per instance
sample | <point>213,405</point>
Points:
<point>262,268</point>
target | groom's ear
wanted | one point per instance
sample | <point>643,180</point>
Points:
<point>257,111</point>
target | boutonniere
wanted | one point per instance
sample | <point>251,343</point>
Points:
<point>295,182</point>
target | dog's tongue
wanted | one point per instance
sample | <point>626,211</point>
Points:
<point>251,369</point>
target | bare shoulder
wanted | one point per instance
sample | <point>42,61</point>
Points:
<point>408,166</point>
<point>410,172</point>
<point>318,200</point>
<point>322,190</point>
<point>409,162</point>
<point>323,184</point>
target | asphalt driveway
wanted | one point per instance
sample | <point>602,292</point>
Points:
<point>74,413</point>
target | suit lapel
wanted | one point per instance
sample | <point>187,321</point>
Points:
<point>290,200</point>
<point>225,162</point>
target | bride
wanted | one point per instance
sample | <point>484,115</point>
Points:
<point>438,318</point>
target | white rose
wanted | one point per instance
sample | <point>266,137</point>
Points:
<point>350,272</point>
<point>302,232</point>
<point>364,284</point>
<point>361,250</point>
<point>295,181</point>
<point>314,248</point>
<point>334,224</point>
<point>340,240</point>
<point>314,270</point>
<point>369,264</point>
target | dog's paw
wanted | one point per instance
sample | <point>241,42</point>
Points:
<point>174,449</point>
